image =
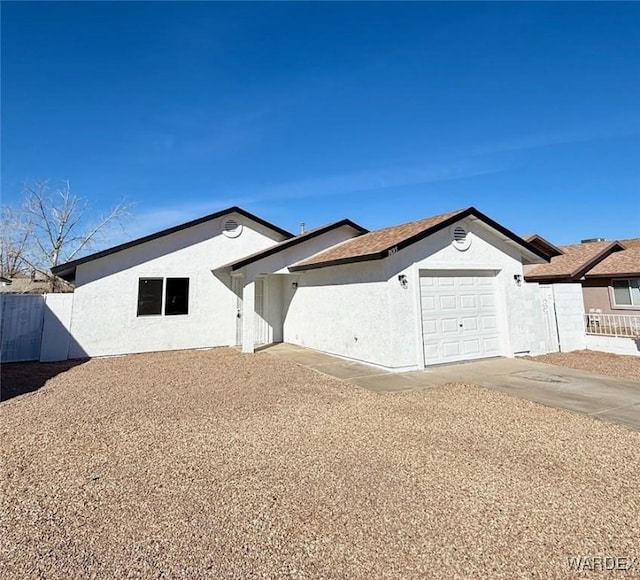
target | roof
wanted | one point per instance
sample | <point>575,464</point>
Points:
<point>68,270</point>
<point>281,246</point>
<point>379,244</point>
<point>544,244</point>
<point>625,263</point>
<point>575,261</point>
<point>29,286</point>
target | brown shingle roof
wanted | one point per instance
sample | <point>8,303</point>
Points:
<point>543,244</point>
<point>625,263</point>
<point>377,242</point>
<point>574,262</point>
<point>381,243</point>
<point>631,243</point>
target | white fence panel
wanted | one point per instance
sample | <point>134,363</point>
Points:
<point>56,333</point>
<point>569,306</point>
<point>20,327</point>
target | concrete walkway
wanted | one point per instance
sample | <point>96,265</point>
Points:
<point>607,398</point>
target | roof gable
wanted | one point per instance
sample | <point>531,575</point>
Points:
<point>294,241</point>
<point>379,244</point>
<point>576,260</point>
<point>543,244</point>
<point>623,263</point>
<point>67,270</point>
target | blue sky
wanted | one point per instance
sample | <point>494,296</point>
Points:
<point>379,112</point>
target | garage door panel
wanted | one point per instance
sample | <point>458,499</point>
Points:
<point>429,327</point>
<point>491,345</point>
<point>428,304</point>
<point>487,301</point>
<point>468,301</point>
<point>449,325</point>
<point>489,323</point>
<point>470,324</point>
<point>447,302</point>
<point>431,350</point>
<point>459,317</point>
<point>471,347</point>
<point>451,349</point>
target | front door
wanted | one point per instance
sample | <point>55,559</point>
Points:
<point>261,327</point>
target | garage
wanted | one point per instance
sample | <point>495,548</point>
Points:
<point>459,316</point>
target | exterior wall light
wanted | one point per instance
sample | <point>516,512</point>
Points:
<point>294,285</point>
<point>518,279</point>
<point>403,281</point>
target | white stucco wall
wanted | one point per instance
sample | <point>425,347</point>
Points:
<point>105,320</point>
<point>614,344</point>
<point>361,311</point>
<point>570,316</point>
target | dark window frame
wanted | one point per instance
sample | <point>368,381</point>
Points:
<point>148,305</point>
<point>176,299</point>
<point>169,298</point>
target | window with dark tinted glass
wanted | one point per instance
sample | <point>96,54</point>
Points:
<point>149,296</point>
<point>177,299</point>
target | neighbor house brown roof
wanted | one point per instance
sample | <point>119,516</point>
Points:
<point>574,262</point>
<point>381,243</point>
<point>544,244</point>
<point>625,263</point>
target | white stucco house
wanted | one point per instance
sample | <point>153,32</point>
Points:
<point>441,289</point>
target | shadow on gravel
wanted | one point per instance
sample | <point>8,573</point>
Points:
<point>25,377</point>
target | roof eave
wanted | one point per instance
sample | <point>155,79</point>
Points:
<point>62,269</point>
<point>338,262</point>
<point>295,241</point>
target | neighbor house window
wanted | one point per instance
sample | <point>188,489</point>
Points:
<point>626,292</point>
<point>152,290</point>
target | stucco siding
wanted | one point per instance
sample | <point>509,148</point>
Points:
<point>597,295</point>
<point>105,321</point>
<point>361,310</point>
<point>341,310</point>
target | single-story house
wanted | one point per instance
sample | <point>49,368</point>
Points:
<point>440,289</point>
<point>609,272</point>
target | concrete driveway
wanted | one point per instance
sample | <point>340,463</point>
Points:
<point>606,398</point>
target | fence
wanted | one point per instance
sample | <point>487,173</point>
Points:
<point>21,326</point>
<point>35,327</point>
<point>621,325</point>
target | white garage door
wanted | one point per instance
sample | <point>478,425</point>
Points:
<point>459,317</point>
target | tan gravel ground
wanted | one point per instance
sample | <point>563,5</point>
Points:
<point>604,363</point>
<point>222,465</point>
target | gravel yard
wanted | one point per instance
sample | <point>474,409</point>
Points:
<point>604,363</point>
<point>222,465</point>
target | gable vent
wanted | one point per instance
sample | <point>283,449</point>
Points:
<point>231,228</point>
<point>461,238</point>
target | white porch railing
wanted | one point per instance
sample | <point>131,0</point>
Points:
<point>612,324</point>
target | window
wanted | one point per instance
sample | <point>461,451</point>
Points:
<point>177,301</point>
<point>626,292</point>
<point>150,294</point>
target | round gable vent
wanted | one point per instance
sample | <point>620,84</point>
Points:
<point>231,228</point>
<point>461,238</point>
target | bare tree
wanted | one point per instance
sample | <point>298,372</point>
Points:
<point>57,226</point>
<point>14,238</point>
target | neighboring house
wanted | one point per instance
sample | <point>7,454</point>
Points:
<point>436,290</point>
<point>609,272</point>
<point>32,285</point>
